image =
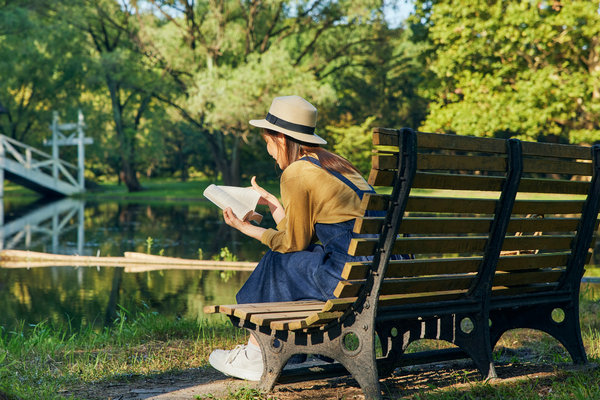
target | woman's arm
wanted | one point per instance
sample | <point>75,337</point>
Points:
<point>243,226</point>
<point>267,198</point>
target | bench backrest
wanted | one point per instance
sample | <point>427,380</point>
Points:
<point>474,219</point>
<point>553,222</point>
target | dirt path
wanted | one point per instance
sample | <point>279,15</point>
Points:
<point>199,383</point>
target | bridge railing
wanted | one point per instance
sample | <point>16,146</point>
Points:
<point>35,160</point>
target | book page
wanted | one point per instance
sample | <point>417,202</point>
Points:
<point>242,201</point>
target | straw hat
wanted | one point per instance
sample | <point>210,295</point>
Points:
<point>294,117</point>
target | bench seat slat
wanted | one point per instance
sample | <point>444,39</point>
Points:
<point>388,137</point>
<point>546,242</point>
<point>421,245</point>
<point>472,244</point>
<point>408,285</point>
<point>430,180</point>
<point>342,304</point>
<point>553,186</point>
<point>389,300</point>
<point>499,291</point>
<point>542,224</point>
<point>314,320</point>
<point>450,205</point>
<point>545,166</point>
<point>523,278</point>
<point>556,150</point>
<point>404,268</point>
<point>444,283</point>
<point>389,161</point>
<point>447,225</point>
<point>372,225</point>
<point>532,261</point>
<point>266,318</point>
<point>289,325</point>
<point>379,202</point>
<point>281,306</point>
<point>548,206</point>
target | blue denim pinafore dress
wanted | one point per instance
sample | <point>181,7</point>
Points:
<point>310,274</point>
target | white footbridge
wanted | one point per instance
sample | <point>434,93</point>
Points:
<point>46,173</point>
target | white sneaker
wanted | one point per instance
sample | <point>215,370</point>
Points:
<point>242,362</point>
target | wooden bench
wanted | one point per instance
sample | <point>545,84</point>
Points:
<point>479,269</point>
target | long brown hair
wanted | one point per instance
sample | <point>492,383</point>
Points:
<point>292,150</point>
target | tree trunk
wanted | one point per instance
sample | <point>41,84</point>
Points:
<point>234,168</point>
<point>130,177</point>
<point>126,144</point>
<point>227,165</point>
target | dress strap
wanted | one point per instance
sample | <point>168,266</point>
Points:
<point>341,177</point>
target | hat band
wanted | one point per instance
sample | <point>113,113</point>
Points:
<point>289,125</point>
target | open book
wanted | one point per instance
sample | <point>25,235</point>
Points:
<point>242,200</point>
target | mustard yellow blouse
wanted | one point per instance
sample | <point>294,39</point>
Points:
<point>310,195</point>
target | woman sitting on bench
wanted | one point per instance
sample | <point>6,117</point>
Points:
<point>321,194</point>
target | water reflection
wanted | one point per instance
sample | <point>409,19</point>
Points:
<point>93,295</point>
<point>46,221</point>
<point>70,226</point>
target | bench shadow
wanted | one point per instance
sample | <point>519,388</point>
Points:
<point>408,381</point>
<point>198,383</point>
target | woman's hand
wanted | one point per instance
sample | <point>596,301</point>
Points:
<point>243,226</point>
<point>232,220</point>
<point>265,197</point>
<point>270,200</point>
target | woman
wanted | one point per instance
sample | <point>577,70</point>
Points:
<point>321,194</point>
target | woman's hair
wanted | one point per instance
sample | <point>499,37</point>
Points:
<point>292,150</point>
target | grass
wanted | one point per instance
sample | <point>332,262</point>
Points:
<point>564,385</point>
<point>57,362</point>
<point>45,361</point>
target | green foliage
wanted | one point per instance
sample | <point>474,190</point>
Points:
<point>225,255</point>
<point>354,143</point>
<point>521,68</point>
<point>149,243</point>
<point>42,63</point>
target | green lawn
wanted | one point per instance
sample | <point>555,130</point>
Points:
<point>154,190</point>
<point>58,362</point>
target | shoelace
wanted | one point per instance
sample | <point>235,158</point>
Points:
<point>235,352</point>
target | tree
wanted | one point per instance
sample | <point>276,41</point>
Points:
<point>381,88</point>
<point>226,60</point>
<point>515,68</point>
<point>117,68</point>
<point>41,68</point>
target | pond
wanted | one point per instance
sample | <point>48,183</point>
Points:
<point>94,296</point>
